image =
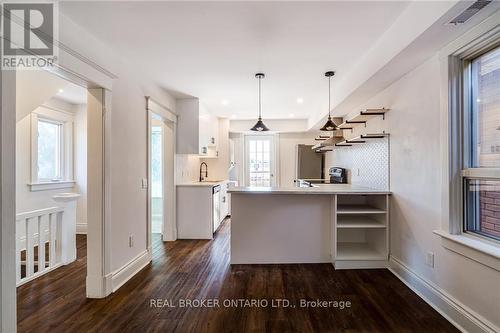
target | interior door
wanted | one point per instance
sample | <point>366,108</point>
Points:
<point>260,160</point>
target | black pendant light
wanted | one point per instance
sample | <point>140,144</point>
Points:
<point>329,125</point>
<point>259,125</point>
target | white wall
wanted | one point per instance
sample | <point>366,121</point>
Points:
<point>126,135</point>
<point>26,200</point>
<point>275,125</point>
<point>415,171</point>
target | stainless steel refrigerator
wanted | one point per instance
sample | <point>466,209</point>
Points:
<point>310,165</point>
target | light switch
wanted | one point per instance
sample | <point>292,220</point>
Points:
<point>144,183</point>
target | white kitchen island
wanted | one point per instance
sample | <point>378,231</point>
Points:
<point>341,224</point>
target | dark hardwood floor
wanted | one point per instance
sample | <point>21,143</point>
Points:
<point>188,269</point>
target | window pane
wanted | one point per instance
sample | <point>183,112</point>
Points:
<point>48,150</point>
<point>485,115</point>
<point>259,162</point>
<point>482,206</point>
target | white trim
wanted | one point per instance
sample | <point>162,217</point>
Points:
<point>81,228</point>
<point>129,270</point>
<point>481,250</point>
<point>66,120</point>
<point>457,313</point>
<point>38,274</point>
<point>46,186</point>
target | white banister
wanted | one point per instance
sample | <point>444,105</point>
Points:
<point>31,230</point>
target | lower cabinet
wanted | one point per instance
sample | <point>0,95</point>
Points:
<point>362,231</point>
<point>200,211</point>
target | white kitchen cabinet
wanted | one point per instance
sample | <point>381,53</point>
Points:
<point>197,129</point>
<point>201,221</point>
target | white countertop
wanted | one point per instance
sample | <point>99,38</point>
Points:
<point>320,189</point>
<point>203,183</point>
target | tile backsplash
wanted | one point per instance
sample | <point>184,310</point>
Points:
<point>367,163</point>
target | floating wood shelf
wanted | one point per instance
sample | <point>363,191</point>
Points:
<point>362,118</point>
<point>354,141</point>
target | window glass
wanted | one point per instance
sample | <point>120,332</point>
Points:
<point>485,112</point>
<point>49,150</point>
<point>482,206</point>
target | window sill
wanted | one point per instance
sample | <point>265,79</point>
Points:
<point>475,248</point>
<point>47,186</point>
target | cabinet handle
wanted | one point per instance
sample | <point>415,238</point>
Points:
<point>223,199</point>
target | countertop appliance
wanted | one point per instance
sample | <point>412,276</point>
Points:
<point>337,175</point>
<point>310,165</point>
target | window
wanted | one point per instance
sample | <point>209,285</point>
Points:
<point>49,150</point>
<point>481,145</point>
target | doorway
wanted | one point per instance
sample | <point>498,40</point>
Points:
<point>161,173</point>
<point>157,174</point>
<point>260,160</point>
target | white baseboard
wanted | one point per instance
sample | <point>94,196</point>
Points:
<point>457,313</point>
<point>81,228</point>
<point>98,286</point>
<point>126,272</point>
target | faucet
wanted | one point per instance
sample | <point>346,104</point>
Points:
<point>201,171</point>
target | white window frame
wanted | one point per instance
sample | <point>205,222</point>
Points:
<point>468,172</point>
<point>65,177</point>
<point>453,59</point>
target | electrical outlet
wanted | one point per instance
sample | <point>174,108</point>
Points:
<point>430,259</point>
<point>144,183</point>
<point>131,241</point>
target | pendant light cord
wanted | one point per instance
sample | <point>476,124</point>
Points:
<point>260,98</point>
<point>329,97</point>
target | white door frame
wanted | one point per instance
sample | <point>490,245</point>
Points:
<point>98,282</point>
<point>169,226</point>
<point>274,157</point>
<point>8,200</point>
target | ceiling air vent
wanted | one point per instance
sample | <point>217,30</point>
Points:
<point>469,12</point>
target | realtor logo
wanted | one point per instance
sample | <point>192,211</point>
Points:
<point>28,35</point>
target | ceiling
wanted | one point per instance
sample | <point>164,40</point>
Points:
<point>212,50</point>
<point>72,93</point>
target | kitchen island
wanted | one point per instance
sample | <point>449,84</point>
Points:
<point>342,224</point>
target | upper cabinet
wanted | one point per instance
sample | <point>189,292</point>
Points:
<point>197,130</point>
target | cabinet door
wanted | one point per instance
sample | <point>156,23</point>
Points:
<point>224,202</point>
<point>204,134</point>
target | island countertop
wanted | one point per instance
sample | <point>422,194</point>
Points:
<point>317,189</point>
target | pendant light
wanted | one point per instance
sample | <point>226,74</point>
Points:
<point>329,125</point>
<point>259,125</point>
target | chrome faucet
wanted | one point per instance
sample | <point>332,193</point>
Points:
<point>201,171</point>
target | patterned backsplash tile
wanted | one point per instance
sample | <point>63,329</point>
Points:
<point>367,163</point>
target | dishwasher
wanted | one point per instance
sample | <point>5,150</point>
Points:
<point>215,207</point>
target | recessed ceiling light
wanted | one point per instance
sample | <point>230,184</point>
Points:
<point>291,115</point>
<point>300,100</point>
<point>224,102</point>
<point>233,116</point>
<point>61,90</point>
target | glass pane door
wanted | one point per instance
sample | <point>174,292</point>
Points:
<point>259,160</point>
